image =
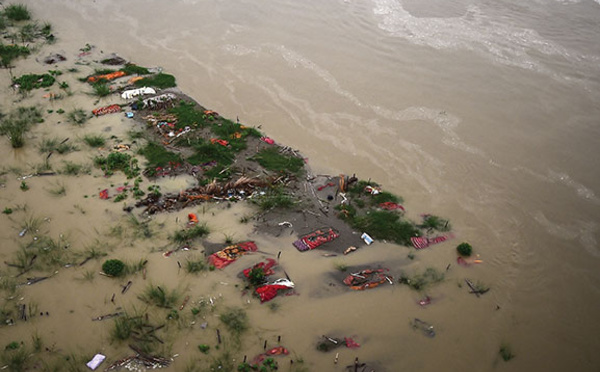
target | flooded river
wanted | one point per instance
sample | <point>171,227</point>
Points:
<point>486,113</point>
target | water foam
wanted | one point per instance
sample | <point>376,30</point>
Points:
<point>477,32</point>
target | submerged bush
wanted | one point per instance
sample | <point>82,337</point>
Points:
<point>34,81</point>
<point>118,161</point>
<point>113,267</point>
<point>161,81</point>
<point>272,160</point>
<point>464,249</point>
<point>17,12</point>
<point>10,52</point>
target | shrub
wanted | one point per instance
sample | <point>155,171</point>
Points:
<point>77,116</point>
<point>93,140</point>
<point>17,12</point>
<point>464,249</point>
<point>10,52</point>
<point>34,81</point>
<point>113,267</point>
<point>272,160</point>
<point>160,81</point>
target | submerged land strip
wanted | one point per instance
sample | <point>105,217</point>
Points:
<point>229,162</point>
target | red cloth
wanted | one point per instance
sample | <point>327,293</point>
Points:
<point>390,206</point>
<point>104,194</point>
<point>420,242</point>
<point>231,253</point>
<point>350,343</point>
<point>106,110</point>
<point>269,291</point>
<point>268,140</point>
<point>221,142</point>
<point>265,266</point>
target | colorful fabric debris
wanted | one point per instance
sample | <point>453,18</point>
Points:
<point>367,279</point>
<point>192,219</point>
<point>279,350</point>
<point>231,253</point>
<point>316,238</point>
<point>106,110</point>
<point>268,292</point>
<point>420,242</point>
<point>104,194</point>
<point>111,76</point>
<point>221,142</point>
<point>391,206</point>
<point>268,140</point>
<point>265,266</point>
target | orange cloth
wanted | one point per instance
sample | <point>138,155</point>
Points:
<point>111,76</point>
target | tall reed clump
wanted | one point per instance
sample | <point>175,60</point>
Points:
<point>19,122</point>
<point>235,320</point>
<point>157,296</point>
<point>187,235</point>
<point>17,12</point>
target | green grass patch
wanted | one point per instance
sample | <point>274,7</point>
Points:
<point>276,197</point>
<point>78,116</point>
<point>8,53</point>
<point>17,12</point>
<point>34,81</point>
<point>101,88</point>
<point>131,69</point>
<point>187,235</point>
<point>19,122</point>
<point>56,145</point>
<point>161,81</point>
<point>235,320</point>
<point>118,161</point>
<point>419,282</point>
<point>157,296</point>
<point>94,140</point>
<point>205,152</point>
<point>74,169</point>
<point>158,156</point>
<point>385,225</point>
<point>195,266</point>
<point>188,115</point>
<point>272,160</point>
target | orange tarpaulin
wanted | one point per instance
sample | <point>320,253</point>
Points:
<point>111,76</point>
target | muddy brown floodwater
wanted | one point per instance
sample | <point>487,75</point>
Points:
<point>486,115</point>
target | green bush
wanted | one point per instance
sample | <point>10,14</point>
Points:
<point>113,267</point>
<point>161,81</point>
<point>34,81</point>
<point>464,249</point>
<point>17,12</point>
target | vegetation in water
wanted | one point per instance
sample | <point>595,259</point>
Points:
<point>161,81</point>
<point>34,81</point>
<point>17,12</point>
<point>271,159</point>
<point>464,249</point>
<point>157,296</point>
<point>116,161</point>
<point>276,197</point>
<point>186,236</point>
<point>423,280</point>
<point>113,267</point>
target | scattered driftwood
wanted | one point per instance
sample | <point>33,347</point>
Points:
<point>108,316</point>
<point>477,291</point>
<point>241,188</point>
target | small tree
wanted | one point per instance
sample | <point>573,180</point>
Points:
<point>464,249</point>
<point>113,267</point>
